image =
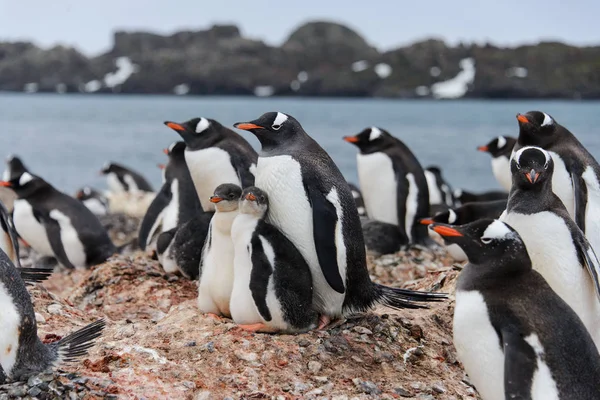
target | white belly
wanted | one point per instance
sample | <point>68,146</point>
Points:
<point>435,195</point>
<point>501,170</point>
<point>562,185</point>
<point>168,263</point>
<point>378,186</point>
<point>132,187</point>
<point>412,203</point>
<point>30,229</point>
<point>95,206</point>
<point>210,168</point>
<point>242,306</point>
<point>114,184</point>
<point>592,219</point>
<point>477,345</point>
<point>70,239</point>
<point>548,242</point>
<point>216,280</point>
<point>289,210</point>
<point>171,213</point>
<point>10,320</point>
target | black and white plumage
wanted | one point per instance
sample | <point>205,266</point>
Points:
<point>57,224</point>
<point>500,148</point>
<point>93,199</point>
<point>311,203</point>
<point>463,196</point>
<point>121,179</point>
<point>440,191</point>
<point>516,338</point>
<point>558,249</point>
<point>272,289</point>
<point>382,238</point>
<point>215,155</point>
<point>358,200</point>
<point>393,182</point>
<point>175,202</point>
<point>576,178</point>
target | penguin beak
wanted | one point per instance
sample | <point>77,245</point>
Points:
<point>161,166</point>
<point>215,199</point>
<point>175,126</point>
<point>483,148</point>
<point>166,151</point>
<point>5,184</point>
<point>247,126</point>
<point>351,139</point>
<point>522,119</point>
<point>426,221</point>
<point>445,230</point>
<point>79,195</point>
<point>532,176</point>
<point>250,197</point>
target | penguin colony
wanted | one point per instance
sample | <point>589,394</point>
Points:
<point>277,241</point>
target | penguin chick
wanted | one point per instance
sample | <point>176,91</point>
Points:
<point>272,289</point>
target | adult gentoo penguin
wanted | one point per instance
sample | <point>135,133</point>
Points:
<point>516,338</point>
<point>122,179</point>
<point>440,192</point>
<point>393,182</point>
<point>272,289</point>
<point>23,354</point>
<point>64,228</point>
<point>500,148</point>
<point>310,202</point>
<point>216,270</point>
<point>175,202</point>
<point>92,199</point>
<point>576,173</point>
<point>557,247</point>
<point>215,155</point>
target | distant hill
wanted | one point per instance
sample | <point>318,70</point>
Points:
<point>318,59</point>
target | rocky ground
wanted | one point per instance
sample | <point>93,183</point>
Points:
<point>157,345</point>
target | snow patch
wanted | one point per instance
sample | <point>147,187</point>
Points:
<point>181,89</point>
<point>457,86</point>
<point>93,86</point>
<point>61,88</point>
<point>517,72</point>
<point>302,76</point>
<point>264,91</point>
<point>125,68</point>
<point>383,70</point>
<point>435,71</point>
<point>422,91</point>
<point>30,87</point>
<point>359,66</point>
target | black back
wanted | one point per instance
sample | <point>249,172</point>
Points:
<point>188,243</point>
<point>471,212</point>
<point>463,196</point>
<point>121,171</point>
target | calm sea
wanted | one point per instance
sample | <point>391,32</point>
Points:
<point>67,138</point>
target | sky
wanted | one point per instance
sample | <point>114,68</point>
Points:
<point>88,25</point>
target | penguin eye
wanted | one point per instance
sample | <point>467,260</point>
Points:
<point>275,127</point>
<point>486,240</point>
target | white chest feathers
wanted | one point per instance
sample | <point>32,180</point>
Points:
<point>170,218</point>
<point>501,170</point>
<point>216,272</point>
<point>10,320</point>
<point>562,184</point>
<point>70,239</point>
<point>210,168</point>
<point>378,185</point>
<point>114,184</point>
<point>30,229</point>
<point>95,206</point>
<point>435,194</point>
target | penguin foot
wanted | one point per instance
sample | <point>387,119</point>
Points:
<point>324,320</point>
<point>258,328</point>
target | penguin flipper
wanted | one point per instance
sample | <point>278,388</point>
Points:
<point>324,224</point>
<point>580,193</point>
<point>246,177</point>
<point>8,226</point>
<point>520,363</point>
<point>588,258</point>
<point>259,278</point>
<point>153,216</point>
<point>53,233</point>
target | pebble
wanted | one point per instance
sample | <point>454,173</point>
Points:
<point>193,343</point>
<point>314,366</point>
<point>438,388</point>
<point>342,397</point>
<point>402,392</point>
<point>362,330</point>
<point>34,391</point>
<point>369,388</point>
<point>301,387</point>
<point>210,346</point>
<point>55,309</point>
<point>34,381</point>
<point>203,395</point>
<point>250,357</point>
<point>18,391</point>
<point>321,379</point>
<point>425,397</point>
<point>40,318</point>
<point>304,342</point>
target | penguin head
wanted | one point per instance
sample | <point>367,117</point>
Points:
<point>24,185</point>
<point>498,145</point>
<point>445,217</point>
<point>482,240</point>
<point>536,127</point>
<point>226,197</point>
<point>14,168</point>
<point>254,201</point>
<point>195,131</point>
<point>531,167</point>
<point>371,139</point>
<point>175,149</point>
<point>272,128</point>
<point>86,193</point>
<point>112,167</point>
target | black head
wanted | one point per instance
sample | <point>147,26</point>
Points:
<point>531,167</point>
<point>87,193</point>
<point>536,128</point>
<point>484,241</point>
<point>273,128</point>
<point>175,149</point>
<point>196,131</point>
<point>434,169</point>
<point>164,240</point>
<point>226,197</point>
<point>254,201</point>
<point>14,168</point>
<point>445,217</point>
<point>25,185</point>
<point>112,167</point>
<point>371,139</point>
<point>498,146</point>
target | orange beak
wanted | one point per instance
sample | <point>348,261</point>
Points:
<point>161,166</point>
<point>482,148</point>
<point>166,151</point>
<point>522,119</point>
<point>446,231</point>
<point>5,184</point>
<point>250,197</point>
<point>246,126</point>
<point>532,176</point>
<point>175,126</point>
<point>79,195</point>
<point>215,199</point>
<point>426,221</point>
<point>351,139</point>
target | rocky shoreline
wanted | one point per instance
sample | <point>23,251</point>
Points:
<point>318,59</point>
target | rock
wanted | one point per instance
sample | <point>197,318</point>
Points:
<point>34,381</point>
<point>34,391</point>
<point>250,357</point>
<point>40,318</point>
<point>402,392</point>
<point>369,387</point>
<point>438,388</point>
<point>203,395</point>
<point>314,366</point>
<point>55,309</point>
<point>362,330</point>
<point>17,391</point>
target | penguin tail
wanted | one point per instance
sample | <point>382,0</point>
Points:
<point>76,345</point>
<point>397,298</point>
<point>35,275</point>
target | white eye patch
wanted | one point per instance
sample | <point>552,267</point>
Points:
<point>451,216</point>
<point>375,133</point>
<point>25,178</point>
<point>202,125</point>
<point>172,146</point>
<point>501,142</point>
<point>279,120</point>
<point>547,120</point>
<point>495,230</point>
<point>520,152</point>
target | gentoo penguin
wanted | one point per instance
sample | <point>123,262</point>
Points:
<point>180,249</point>
<point>272,287</point>
<point>576,173</point>
<point>382,238</point>
<point>516,338</point>
<point>500,148</point>
<point>216,270</point>
<point>358,200</point>
<point>92,199</point>
<point>393,182</point>
<point>122,179</point>
<point>311,203</point>
<point>64,228</point>
<point>465,214</point>
<point>175,202</point>
<point>440,191</point>
<point>215,155</point>
<point>23,354</point>
<point>464,197</point>
<point>557,247</point>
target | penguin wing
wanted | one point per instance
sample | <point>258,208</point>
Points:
<point>153,216</point>
<point>520,362</point>
<point>53,233</point>
<point>588,258</point>
<point>324,224</point>
<point>9,227</point>
<point>259,277</point>
<point>580,193</point>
